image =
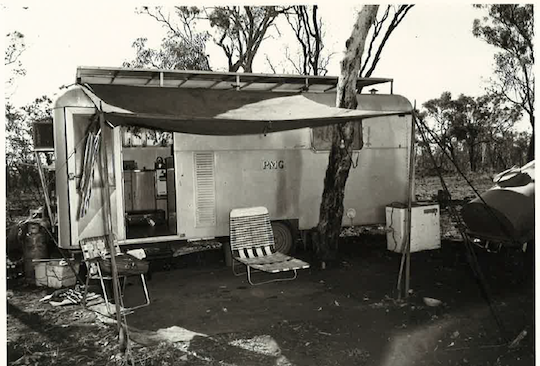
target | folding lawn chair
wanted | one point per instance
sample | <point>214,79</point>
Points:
<point>94,249</point>
<point>252,244</point>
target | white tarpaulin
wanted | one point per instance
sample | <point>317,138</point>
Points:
<point>217,112</point>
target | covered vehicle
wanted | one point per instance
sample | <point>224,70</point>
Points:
<point>234,140</point>
<point>505,212</point>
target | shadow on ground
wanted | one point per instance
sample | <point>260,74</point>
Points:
<point>347,315</point>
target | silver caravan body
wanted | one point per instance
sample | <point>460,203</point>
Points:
<point>197,179</point>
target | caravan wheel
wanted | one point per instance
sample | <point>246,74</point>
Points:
<point>283,238</point>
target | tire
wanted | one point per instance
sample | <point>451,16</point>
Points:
<point>283,238</point>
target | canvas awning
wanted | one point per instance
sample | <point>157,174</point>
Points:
<point>217,112</point>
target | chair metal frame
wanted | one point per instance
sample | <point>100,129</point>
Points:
<point>95,248</point>
<point>248,272</point>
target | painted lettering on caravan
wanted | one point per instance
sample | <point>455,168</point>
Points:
<point>273,164</point>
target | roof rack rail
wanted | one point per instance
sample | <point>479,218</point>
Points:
<point>217,80</point>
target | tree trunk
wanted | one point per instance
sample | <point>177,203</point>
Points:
<point>472,157</point>
<point>339,160</point>
<point>452,153</point>
<point>530,151</point>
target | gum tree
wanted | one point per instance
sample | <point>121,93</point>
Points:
<point>339,160</point>
<point>183,48</point>
<point>238,30</point>
<point>354,64</point>
<point>510,28</point>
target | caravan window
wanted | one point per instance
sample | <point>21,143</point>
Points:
<point>137,136</point>
<point>321,139</point>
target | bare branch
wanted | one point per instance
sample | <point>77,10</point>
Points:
<point>398,17</point>
<point>293,63</point>
<point>270,64</point>
<point>160,18</point>
<point>376,30</point>
<point>307,27</point>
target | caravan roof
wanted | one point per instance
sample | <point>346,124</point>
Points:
<point>213,103</point>
<point>216,80</point>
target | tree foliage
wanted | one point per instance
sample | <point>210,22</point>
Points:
<point>183,48</point>
<point>468,127</point>
<point>173,54</point>
<point>440,110</point>
<point>22,177</point>
<point>237,30</point>
<point>510,28</point>
<point>240,32</point>
<point>15,46</point>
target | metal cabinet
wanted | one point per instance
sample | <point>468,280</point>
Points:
<point>139,190</point>
<point>425,227</point>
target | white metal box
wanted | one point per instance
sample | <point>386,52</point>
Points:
<point>425,227</point>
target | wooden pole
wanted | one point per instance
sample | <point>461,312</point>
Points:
<point>106,193</point>
<point>409,205</point>
<point>400,273</point>
<point>404,251</point>
<point>405,265</point>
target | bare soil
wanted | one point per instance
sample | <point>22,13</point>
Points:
<point>347,314</point>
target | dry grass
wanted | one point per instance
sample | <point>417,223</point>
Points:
<point>427,187</point>
<point>460,190</point>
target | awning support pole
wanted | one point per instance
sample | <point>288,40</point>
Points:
<point>409,203</point>
<point>106,194</point>
<point>406,254</point>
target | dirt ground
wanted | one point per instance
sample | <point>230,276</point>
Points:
<point>346,314</point>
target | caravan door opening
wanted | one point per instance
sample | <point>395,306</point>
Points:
<point>148,178</point>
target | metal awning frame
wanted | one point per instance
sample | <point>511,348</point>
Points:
<point>217,80</point>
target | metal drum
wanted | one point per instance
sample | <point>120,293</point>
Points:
<point>508,216</point>
<point>35,247</point>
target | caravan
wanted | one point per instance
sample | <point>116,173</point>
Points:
<point>179,184</point>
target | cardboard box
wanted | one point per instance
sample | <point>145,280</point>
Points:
<point>40,270</point>
<point>56,273</point>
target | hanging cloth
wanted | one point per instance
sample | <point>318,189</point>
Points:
<point>91,153</point>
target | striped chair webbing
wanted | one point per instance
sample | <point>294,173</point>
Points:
<point>95,247</point>
<point>246,253</point>
<point>90,252</point>
<point>252,242</point>
<point>251,236</point>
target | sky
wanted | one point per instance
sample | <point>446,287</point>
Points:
<point>432,51</point>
